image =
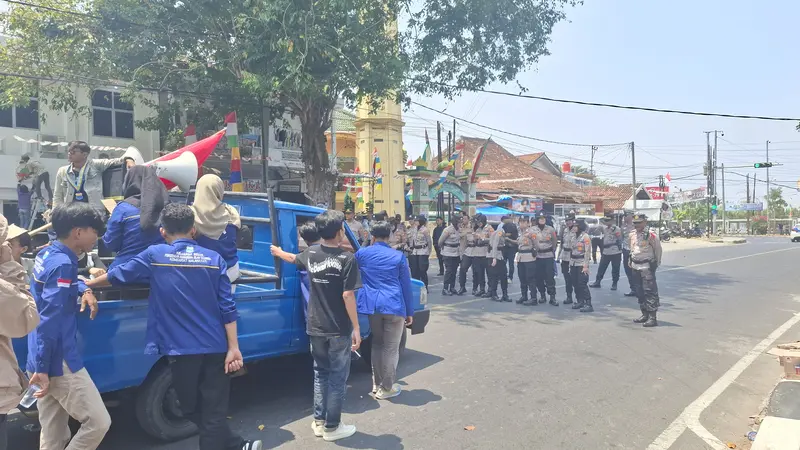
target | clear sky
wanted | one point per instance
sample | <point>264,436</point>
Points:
<point>727,56</point>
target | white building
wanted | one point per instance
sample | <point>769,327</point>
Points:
<point>111,124</point>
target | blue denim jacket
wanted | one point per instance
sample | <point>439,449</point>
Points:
<point>386,281</point>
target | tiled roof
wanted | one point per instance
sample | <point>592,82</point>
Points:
<point>530,158</point>
<point>614,197</point>
<point>343,120</point>
<point>505,173</point>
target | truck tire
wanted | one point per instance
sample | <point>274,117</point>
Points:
<point>158,410</point>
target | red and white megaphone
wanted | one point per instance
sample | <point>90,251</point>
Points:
<point>182,171</point>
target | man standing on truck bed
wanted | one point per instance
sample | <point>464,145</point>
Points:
<point>192,321</point>
<point>332,323</point>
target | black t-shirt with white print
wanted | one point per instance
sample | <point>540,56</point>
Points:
<point>331,272</point>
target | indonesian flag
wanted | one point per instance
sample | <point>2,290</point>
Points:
<point>190,135</point>
<point>668,177</point>
<point>64,283</point>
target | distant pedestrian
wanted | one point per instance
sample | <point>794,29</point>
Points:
<point>437,233</point>
<point>386,296</point>
<point>579,267</point>
<point>24,206</point>
<point>567,241</point>
<point>419,247</point>
<point>450,243</point>
<point>645,259</point>
<point>596,233</point>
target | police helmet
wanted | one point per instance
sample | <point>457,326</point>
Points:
<point>569,216</point>
<point>581,223</point>
<point>541,215</point>
<point>422,219</point>
<point>481,219</point>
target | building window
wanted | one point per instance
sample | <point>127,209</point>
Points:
<point>21,117</point>
<point>111,116</point>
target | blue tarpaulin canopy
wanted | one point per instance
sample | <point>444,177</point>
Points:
<point>494,211</point>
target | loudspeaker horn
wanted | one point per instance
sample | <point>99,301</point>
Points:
<point>134,154</point>
<point>182,170</point>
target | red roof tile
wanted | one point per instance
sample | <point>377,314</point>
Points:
<point>614,197</point>
<point>530,158</point>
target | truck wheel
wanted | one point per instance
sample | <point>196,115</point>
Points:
<point>158,410</point>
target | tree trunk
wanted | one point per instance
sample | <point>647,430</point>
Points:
<point>320,177</point>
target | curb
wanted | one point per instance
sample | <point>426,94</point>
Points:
<point>780,429</point>
<point>728,241</point>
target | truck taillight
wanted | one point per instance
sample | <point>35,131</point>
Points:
<point>423,296</point>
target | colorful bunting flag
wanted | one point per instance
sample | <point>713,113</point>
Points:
<point>376,169</point>
<point>477,162</point>
<point>236,160</point>
<point>427,153</point>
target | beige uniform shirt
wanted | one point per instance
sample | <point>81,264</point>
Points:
<point>626,232</point>
<point>567,242</point>
<point>581,252</point>
<point>357,229</point>
<point>544,241</point>
<point>645,249</point>
<point>450,242</point>
<point>612,240</point>
<point>496,243</point>
<point>419,241</point>
<point>482,238</point>
<point>525,253</point>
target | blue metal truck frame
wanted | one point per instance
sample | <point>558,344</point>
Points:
<point>272,321</point>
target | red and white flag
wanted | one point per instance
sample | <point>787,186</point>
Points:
<point>64,283</point>
<point>668,177</point>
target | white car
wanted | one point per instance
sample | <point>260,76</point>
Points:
<point>795,233</point>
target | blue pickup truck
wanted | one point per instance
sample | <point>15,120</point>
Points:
<point>269,301</point>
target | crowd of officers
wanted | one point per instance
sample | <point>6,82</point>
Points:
<point>538,250</point>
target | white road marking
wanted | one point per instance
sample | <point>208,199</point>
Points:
<point>690,417</point>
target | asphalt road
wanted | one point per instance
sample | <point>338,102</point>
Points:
<point>550,377</point>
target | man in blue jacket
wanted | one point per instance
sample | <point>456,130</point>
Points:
<point>54,359</point>
<point>192,321</point>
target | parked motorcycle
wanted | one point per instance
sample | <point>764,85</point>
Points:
<point>664,234</point>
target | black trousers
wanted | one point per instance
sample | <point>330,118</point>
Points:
<point>545,276</point>
<point>44,178</point>
<point>605,260</point>
<point>479,265</point>
<point>450,271</point>
<point>439,258</point>
<point>508,256</point>
<point>565,270</point>
<point>498,274</point>
<point>203,391</point>
<point>596,243</point>
<point>646,289</point>
<point>580,282</point>
<point>419,265</point>
<point>527,278</point>
<point>466,263</point>
<point>626,257</point>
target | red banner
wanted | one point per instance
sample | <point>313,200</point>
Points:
<point>657,193</point>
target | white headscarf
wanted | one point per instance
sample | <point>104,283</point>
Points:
<point>211,216</point>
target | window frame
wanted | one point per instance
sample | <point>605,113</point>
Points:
<point>14,117</point>
<point>113,110</point>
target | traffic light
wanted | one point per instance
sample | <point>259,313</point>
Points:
<point>762,165</point>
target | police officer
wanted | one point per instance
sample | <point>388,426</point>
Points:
<point>645,259</point>
<point>497,271</point>
<point>566,239</point>
<point>526,262</point>
<point>468,257</point>
<point>579,267</point>
<point>450,243</point>
<point>419,244</point>
<point>611,253</point>
<point>627,228</point>
<point>480,263</point>
<point>544,242</point>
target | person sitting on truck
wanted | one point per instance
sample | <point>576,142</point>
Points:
<point>133,225</point>
<point>54,358</point>
<point>19,318</point>
<point>217,223</point>
<point>192,321</point>
<point>386,297</point>
<point>332,323</point>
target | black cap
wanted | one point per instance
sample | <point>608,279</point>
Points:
<point>569,216</point>
<point>421,218</point>
<point>541,215</point>
<point>607,217</point>
<point>639,218</point>
<point>24,159</point>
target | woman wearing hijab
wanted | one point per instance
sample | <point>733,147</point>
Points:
<point>134,223</point>
<point>217,223</point>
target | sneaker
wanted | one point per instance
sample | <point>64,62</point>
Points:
<point>383,394</point>
<point>318,427</point>
<point>251,445</point>
<point>340,432</point>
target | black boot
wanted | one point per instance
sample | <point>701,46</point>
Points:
<point>596,284</point>
<point>523,299</point>
<point>568,301</point>
<point>482,293</point>
<point>542,299</point>
<point>462,291</point>
<point>578,305</point>
<point>445,292</point>
<point>614,286</point>
<point>493,296</point>
<point>553,300</point>
<point>505,297</point>
<point>642,319</point>
<point>630,294</point>
<point>474,292</point>
<point>651,320</point>
<point>587,307</point>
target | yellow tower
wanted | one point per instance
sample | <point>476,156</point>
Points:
<point>382,130</point>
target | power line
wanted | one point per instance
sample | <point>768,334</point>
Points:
<point>611,105</point>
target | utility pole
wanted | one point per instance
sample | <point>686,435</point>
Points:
<point>266,119</point>
<point>449,154</point>
<point>661,187</point>
<point>440,200</point>
<point>633,172</point>
<point>709,189</point>
<point>768,191</point>
<point>591,162</point>
<point>724,228</point>
<point>747,213</point>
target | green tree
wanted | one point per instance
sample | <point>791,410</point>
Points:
<point>696,212</point>
<point>205,57</point>
<point>778,208</point>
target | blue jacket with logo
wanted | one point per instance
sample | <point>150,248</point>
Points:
<point>190,297</point>
<point>386,281</point>
<point>55,288</point>
<point>225,245</point>
<point>124,234</point>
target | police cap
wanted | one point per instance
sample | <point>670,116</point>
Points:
<point>639,218</point>
<point>569,216</point>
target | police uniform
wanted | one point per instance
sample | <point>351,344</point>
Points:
<point>420,244</point>
<point>610,254</point>
<point>497,271</point>
<point>526,267</point>
<point>481,261</point>
<point>626,254</point>
<point>450,243</point>
<point>544,243</point>
<point>645,259</point>
<point>579,268</point>
<point>467,258</point>
<point>567,240</point>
